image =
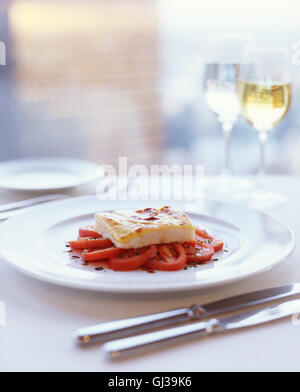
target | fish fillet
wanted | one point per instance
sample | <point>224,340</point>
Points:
<point>129,229</point>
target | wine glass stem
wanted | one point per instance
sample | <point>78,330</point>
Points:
<point>263,137</point>
<point>227,131</point>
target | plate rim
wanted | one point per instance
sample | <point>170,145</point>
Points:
<point>93,176</point>
<point>194,286</point>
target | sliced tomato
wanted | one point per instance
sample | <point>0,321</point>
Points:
<point>203,234</point>
<point>88,250</point>
<point>199,253</point>
<point>88,232</point>
<point>83,243</point>
<point>217,245</point>
<point>202,237</point>
<point>171,257</point>
<point>101,254</point>
<point>132,259</point>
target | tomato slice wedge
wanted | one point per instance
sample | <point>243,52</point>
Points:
<point>101,254</point>
<point>132,259</point>
<point>203,234</point>
<point>202,237</point>
<point>217,245</point>
<point>88,232</point>
<point>83,243</point>
<point>171,257</point>
<point>198,253</point>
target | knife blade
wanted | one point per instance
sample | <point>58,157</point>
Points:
<point>121,328</point>
<point>137,344</point>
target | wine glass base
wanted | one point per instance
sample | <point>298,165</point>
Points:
<point>228,185</point>
<point>261,199</point>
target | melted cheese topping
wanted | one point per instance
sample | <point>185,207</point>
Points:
<point>133,229</point>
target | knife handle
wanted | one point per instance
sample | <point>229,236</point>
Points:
<point>118,329</point>
<point>137,344</point>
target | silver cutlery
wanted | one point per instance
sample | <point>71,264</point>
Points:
<point>10,214</point>
<point>30,202</point>
<point>10,210</point>
<point>121,328</point>
<point>137,344</point>
<point>14,212</point>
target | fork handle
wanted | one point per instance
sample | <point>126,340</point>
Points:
<point>117,329</point>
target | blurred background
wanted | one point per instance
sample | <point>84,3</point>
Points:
<point>99,79</point>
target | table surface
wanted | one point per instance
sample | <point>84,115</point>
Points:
<point>41,317</point>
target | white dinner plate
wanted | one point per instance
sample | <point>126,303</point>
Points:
<point>47,174</point>
<point>35,243</point>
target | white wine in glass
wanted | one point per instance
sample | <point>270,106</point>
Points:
<point>224,55</point>
<point>264,104</point>
<point>265,96</point>
<point>221,93</point>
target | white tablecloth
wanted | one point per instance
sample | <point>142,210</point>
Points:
<point>40,318</point>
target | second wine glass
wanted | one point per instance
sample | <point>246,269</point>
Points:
<point>265,95</point>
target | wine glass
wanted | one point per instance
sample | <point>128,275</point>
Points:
<point>265,96</point>
<point>224,55</point>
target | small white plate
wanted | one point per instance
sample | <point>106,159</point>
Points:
<point>47,174</point>
<point>34,243</point>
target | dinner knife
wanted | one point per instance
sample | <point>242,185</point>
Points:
<point>137,344</point>
<point>121,328</point>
